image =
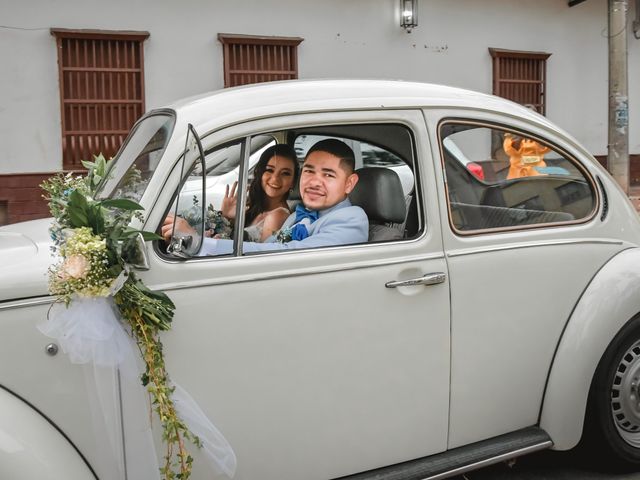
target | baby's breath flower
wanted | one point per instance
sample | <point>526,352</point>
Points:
<point>84,270</point>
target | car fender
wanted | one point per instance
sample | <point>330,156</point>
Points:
<point>611,299</point>
<point>31,448</point>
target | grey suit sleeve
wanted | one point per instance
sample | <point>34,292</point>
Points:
<point>342,227</point>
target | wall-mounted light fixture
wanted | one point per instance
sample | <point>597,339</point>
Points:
<point>408,14</point>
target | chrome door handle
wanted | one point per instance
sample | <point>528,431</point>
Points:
<point>428,279</point>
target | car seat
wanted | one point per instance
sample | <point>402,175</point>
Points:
<point>379,193</point>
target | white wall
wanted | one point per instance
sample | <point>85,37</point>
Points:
<point>29,105</point>
<point>355,39</point>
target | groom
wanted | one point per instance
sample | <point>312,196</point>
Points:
<point>326,217</point>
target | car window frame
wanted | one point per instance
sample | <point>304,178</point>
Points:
<point>110,183</point>
<point>285,128</point>
<point>525,133</point>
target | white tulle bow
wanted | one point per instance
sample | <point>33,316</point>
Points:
<point>90,333</point>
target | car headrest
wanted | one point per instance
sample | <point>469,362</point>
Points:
<point>379,193</point>
<point>294,196</point>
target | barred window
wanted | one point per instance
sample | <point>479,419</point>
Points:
<point>520,77</point>
<point>4,212</point>
<point>101,90</point>
<point>250,59</point>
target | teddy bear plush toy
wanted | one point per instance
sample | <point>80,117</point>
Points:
<point>526,156</point>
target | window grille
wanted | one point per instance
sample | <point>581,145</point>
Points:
<point>101,77</point>
<point>250,59</point>
<point>4,212</point>
<point>520,77</point>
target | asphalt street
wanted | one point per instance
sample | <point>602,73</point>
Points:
<point>546,466</point>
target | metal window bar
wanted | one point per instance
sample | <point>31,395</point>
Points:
<point>250,59</point>
<point>102,95</point>
<point>520,76</point>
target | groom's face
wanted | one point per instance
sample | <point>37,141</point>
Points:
<point>323,181</point>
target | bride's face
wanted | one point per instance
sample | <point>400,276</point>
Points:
<point>277,179</point>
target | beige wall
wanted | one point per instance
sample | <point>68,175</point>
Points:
<point>354,39</point>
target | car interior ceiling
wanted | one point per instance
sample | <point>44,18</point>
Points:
<point>393,138</point>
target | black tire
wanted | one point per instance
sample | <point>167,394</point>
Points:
<point>612,424</point>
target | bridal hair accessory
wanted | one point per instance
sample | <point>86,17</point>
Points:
<point>107,319</point>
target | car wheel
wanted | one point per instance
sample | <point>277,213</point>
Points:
<point>613,414</point>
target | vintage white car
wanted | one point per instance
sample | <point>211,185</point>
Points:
<point>494,311</point>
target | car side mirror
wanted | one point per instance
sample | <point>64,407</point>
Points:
<point>139,259</point>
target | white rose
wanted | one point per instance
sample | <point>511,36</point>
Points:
<point>76,266</point>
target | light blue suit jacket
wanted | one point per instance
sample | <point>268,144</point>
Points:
<point>341,224</point>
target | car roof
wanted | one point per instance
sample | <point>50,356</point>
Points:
<point>286,97</point>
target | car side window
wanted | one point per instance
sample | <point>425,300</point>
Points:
<point>386,189</point>
<point>221,172</point>
<point>503,179</point>
<point>390,166</point>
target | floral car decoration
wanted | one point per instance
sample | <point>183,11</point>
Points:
<point>95,245</point>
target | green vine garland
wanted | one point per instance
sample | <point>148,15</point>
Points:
<point>95,244</point>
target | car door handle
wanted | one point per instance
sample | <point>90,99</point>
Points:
<point>428,279</point>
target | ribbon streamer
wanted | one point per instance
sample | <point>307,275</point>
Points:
<point>90,333</point>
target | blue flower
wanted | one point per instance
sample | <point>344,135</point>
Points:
<point>67,192</point>
<point>283,235</point>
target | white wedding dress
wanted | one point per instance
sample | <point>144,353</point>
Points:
<point>254,232</point>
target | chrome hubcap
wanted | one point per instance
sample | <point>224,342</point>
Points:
<point>625,396</point>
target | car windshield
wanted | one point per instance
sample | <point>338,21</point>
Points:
<point>138,158</point>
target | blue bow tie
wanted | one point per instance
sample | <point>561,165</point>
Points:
<point>302,213</point>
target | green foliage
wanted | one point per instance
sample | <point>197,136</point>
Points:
<point>121,203</point>
<point>155,308</point>
<point>97,171</point>
<point>57,191</point>
<point>96,242</point>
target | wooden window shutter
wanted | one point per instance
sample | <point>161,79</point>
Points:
<point>520,77</point>
<point>101,90</point>
<point>250,59</point>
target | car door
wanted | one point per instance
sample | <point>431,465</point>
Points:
<point>523,235</point>
<point>307,362</point>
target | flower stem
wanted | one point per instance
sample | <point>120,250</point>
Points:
<point>156,380</point>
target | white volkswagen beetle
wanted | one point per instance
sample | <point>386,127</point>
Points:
<point>498,314</point>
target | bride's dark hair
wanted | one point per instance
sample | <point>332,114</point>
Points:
<point>257,197</point>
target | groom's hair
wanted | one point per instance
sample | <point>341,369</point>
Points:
<point>338,149</point>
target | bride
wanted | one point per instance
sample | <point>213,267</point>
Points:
<point>275,175</point>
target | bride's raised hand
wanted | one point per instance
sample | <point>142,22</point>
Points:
<point>230,201</point>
